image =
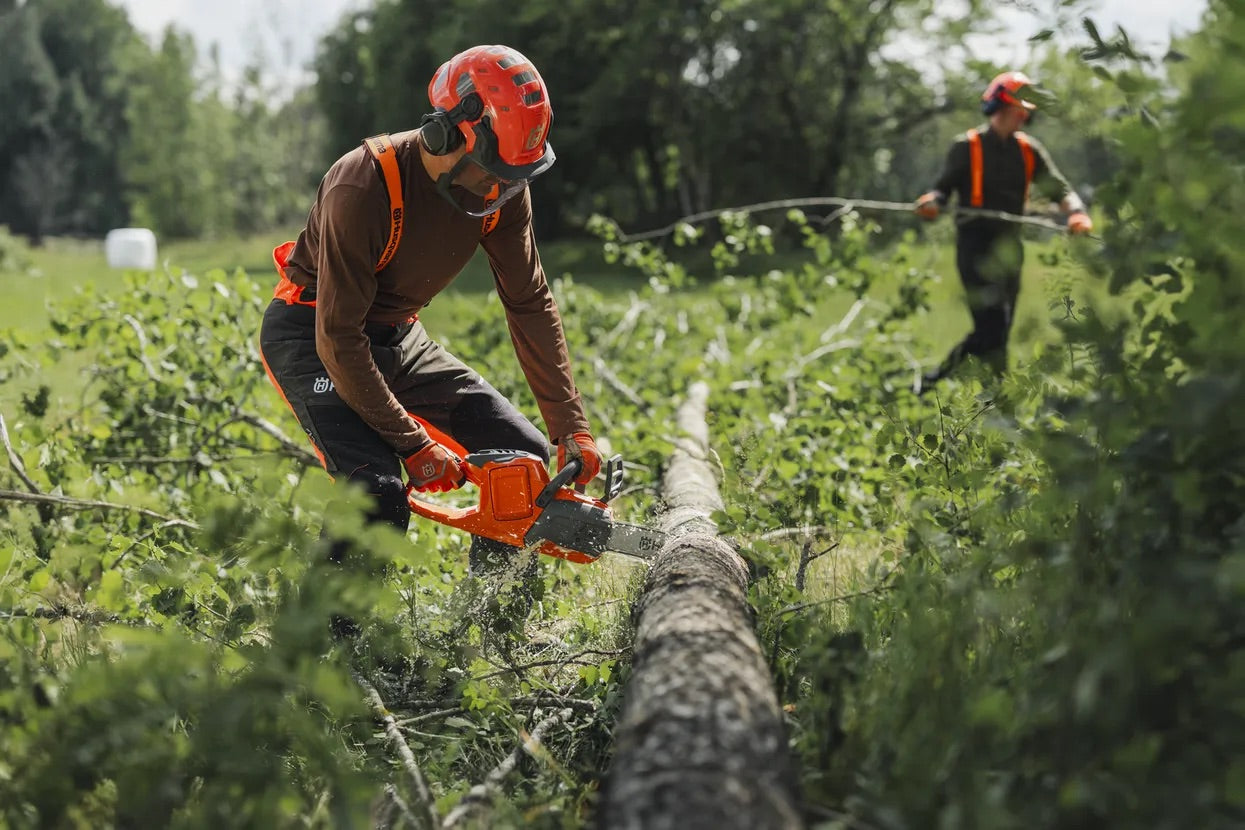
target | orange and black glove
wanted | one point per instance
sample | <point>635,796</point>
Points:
<point>927,206</point>
<point>1080,222</point>
<point>580,445</point>
<point>434,469</point>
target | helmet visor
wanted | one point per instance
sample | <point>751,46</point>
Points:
<point>485,152</point>
<point>474,190</point>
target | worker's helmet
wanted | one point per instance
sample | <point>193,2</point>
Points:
<point>491,100</point>
<point>1007,88</point>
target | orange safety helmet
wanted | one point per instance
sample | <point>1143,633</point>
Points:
<point>491,100</point>
<point>1005,89</point>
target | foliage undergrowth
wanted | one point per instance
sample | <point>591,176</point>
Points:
<point>1004,603</point>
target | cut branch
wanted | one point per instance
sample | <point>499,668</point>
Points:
<point>76,614</point>
<point>881,588</point>
<point>822,201</point>
<point>607,374</point>
<point>292,449</point>
<point>67,503</point>
<point>478,796</point>
<point>407,757</point>
<point>15,461</point>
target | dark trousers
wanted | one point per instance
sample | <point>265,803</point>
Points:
<point>989,261</point>
<point>428,382</point>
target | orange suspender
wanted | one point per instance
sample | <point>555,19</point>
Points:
<point>975,164</point>
<point>381,148</point>
<point>490,221</point>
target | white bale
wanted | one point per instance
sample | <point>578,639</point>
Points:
<point>131,248</point>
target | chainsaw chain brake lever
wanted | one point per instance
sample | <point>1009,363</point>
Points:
<point>613,480</point>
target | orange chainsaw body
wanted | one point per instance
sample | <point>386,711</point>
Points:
<point>514,489</point>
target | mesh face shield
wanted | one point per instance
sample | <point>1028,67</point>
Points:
<point>512,179</point>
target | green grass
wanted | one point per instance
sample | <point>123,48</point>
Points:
<point>62,266</point>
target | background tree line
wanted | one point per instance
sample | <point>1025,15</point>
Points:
<point>660,111</point>
<point>101,129</point>
<point>1029,613</point>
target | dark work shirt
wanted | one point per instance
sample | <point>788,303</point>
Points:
<point>1002,177</point>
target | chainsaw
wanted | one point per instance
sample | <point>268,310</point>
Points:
<point>521,505</point>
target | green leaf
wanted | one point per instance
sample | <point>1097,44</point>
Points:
<point>110,593</point>
<point>39,580</point>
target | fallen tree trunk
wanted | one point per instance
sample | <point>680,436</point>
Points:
<point>700,743</point>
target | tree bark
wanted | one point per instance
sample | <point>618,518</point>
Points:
<point>700,743</point>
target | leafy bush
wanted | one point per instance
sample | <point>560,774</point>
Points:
<point>1068,651</point>
<point>1007,603</point>
<point>14,257</point>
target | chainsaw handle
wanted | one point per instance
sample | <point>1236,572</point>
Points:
<point>564,476</point>
<point>473,473</point>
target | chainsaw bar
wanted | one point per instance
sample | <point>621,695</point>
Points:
<point>588,528</point>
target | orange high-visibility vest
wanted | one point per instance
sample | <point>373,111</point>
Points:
<point>975,164</point>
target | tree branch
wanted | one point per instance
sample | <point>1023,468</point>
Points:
<point>880,588</point>
<point>294,450</point>
<point>566,660</point>
<point>57,614</point>
<point>785,532</point>
<point>480,793</point>
<point>616,383</point>
<point>807,557</point>
<point>15,460</point>
<point>427,803</point>
<point>86,504</point>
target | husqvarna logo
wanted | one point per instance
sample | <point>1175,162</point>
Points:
<point>322,385</point>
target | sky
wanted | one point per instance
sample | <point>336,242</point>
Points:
<point>285,32</point>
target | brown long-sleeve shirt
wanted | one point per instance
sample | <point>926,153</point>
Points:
<point>336,257</point>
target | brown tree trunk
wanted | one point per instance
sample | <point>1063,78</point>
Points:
<point>700,743</point>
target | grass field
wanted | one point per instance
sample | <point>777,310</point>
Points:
<point>61,267</point>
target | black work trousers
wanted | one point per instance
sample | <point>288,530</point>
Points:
<point>428,381</point>
<point>990,260</point>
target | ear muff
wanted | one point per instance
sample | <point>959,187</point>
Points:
<point>440,129</point>
<point>438,134</point>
